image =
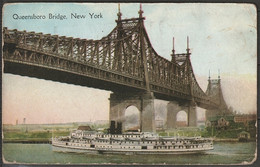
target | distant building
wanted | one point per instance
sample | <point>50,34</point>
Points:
<point>84,128</point>
<point>245,118</point>
<point>181,123</point>
<point>222,122</point>
<point>219,121</point>
<point>16,123</point>
<point>159,124</point>
<point>24,120</point>
<point>244,136</point>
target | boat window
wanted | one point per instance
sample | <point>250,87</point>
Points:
<point>144,147</point>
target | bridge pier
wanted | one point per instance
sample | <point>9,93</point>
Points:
<point>144,102</point>
<point>172,110</point>
<point>192,116</point>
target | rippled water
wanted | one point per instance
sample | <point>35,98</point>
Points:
<point>223,153</point>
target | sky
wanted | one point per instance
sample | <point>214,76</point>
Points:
<point>222,37</point>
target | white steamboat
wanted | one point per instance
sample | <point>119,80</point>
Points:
<point>130,143</point>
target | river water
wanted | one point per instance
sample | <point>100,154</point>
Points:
<point>223,153</point>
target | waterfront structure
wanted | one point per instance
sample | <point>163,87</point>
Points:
<point>223,121</point>
<point>219,121</point>
<point>245,118</point>
<point>123,62</point>
<point>243,136</point>
<point>181,123</point>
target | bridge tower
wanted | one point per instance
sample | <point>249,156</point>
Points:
<point>189,106</point>
<point>214,92</point>
<point>143,100</point>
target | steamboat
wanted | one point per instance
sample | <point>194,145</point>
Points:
<point>129,143</point>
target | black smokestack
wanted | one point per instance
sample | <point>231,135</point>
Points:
<point>119,128</point>
<point>112,127</point>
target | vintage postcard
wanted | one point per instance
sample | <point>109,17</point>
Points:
<point>129,83</point>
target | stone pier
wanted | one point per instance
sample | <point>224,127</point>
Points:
<point>144,102</point>
<point>172,110</point>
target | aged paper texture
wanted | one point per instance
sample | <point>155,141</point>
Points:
<point>108,83</point>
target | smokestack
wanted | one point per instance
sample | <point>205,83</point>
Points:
<point>112,127</point>
<point>119,128</point>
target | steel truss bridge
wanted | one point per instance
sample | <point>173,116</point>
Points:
<point>124,60</point>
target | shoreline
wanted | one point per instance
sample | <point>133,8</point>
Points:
<point>226,140</point>
<point>231,140</point>
<point>28,141</point>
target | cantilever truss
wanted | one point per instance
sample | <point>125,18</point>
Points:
<point>125,57</point>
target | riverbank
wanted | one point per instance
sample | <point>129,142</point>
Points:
<point>231,140</point>
<point>28,141</point>
<point>226,140</point>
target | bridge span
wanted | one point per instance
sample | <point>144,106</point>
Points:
<point>123,62</point>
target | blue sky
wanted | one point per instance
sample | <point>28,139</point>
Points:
<point>222,36</point>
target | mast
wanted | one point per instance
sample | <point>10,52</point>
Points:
<point>119,14</point>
